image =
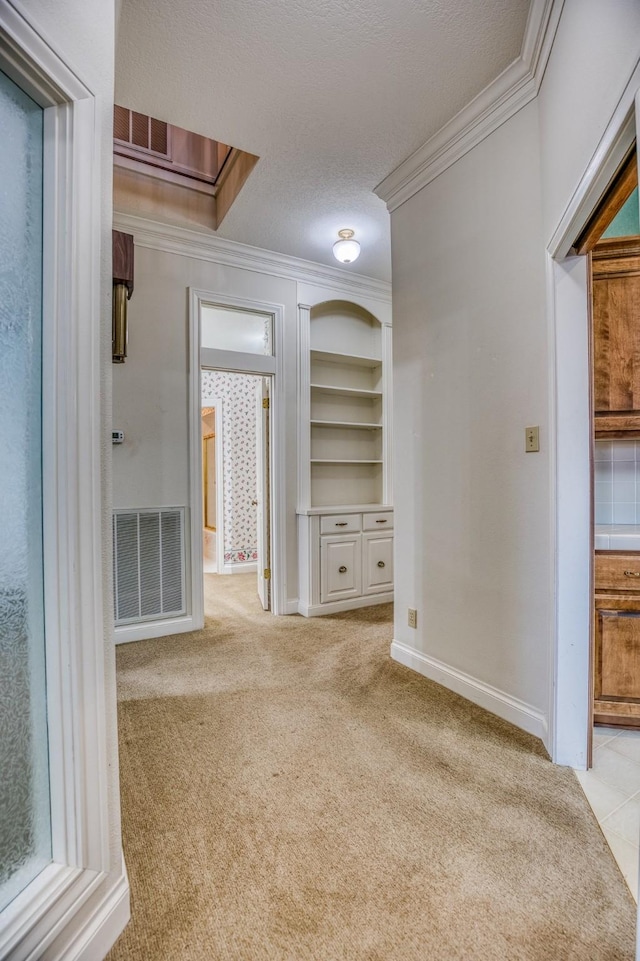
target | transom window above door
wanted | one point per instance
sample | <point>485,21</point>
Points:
<point>230,328</point>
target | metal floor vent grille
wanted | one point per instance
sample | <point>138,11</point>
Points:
<point>148,564</point>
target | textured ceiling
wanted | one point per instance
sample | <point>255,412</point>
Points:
<point>331,94</point>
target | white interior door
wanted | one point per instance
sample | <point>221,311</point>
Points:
<point>263,511</point>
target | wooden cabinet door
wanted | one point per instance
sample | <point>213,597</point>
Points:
<point>340,568</point>
<point>615,266</point>
<point>617,659</point>
<point>377,563</point>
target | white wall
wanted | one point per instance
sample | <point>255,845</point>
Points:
<point>150,399</point>
<point>594,53</point>
<point>472,510</point>
<point>473,366</point>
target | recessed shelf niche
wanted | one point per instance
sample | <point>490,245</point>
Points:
<point>346,406</point>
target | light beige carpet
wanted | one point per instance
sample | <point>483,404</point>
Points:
<point>291,794</point>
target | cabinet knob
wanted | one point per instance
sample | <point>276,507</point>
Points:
<point>383,521</point>
<point>342,569</point>
<point>342,524</point>
<point>632,573</point>
<point>380,563</point>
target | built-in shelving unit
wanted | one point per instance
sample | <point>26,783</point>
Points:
<point>345,518</point>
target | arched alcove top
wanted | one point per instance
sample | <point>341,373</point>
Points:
<point>375,302</point>
<point>345,327</point>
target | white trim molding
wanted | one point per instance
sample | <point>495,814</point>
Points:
<point>158,628</point>
<point>512,90</point>
<point>200,357</point>
<point>491,698</point>
<point>205,246</point>
<point>79,903</point>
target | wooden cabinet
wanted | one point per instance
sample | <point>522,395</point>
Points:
<point>615,268</point>
<point>617,639</point>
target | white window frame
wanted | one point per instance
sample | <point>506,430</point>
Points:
<point>78,904</point>
<point>250,364</point>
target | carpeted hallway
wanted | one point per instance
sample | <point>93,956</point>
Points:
<point>289,793</point>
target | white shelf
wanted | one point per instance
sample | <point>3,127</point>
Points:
<point>332,460</point>
<point>349,360</point>
<point>344,509</point>
<point>345,424</point>
<point>345,391</point>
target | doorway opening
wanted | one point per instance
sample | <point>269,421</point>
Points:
<point>236,371</point>
<point>236,501</point>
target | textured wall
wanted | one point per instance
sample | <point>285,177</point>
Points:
<point>238,393</point>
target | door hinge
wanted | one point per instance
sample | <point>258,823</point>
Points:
<point>267,574</point>
<point>265,403</point>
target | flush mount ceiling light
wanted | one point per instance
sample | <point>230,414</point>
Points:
<point>346,250</point>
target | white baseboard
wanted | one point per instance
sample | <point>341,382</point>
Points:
<point>87,930</point>
<point>148,629</point>
<point>105,925</point>
<point>292,606</point>
<point>491,698</point>
<point>335,607</point>
<point>242,567</point>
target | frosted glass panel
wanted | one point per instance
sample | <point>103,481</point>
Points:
<point>25,829</point>
<point>224,328</point>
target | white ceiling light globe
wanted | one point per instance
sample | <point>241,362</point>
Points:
<point>346,250</point>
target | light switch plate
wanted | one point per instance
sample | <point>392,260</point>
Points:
<point>532,440</point>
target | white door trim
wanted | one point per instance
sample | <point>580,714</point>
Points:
<point>81,899</point>
<point>250,364</point>
<point>571,441</point>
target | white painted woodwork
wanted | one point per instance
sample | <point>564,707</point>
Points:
<point>253,364</point>
<point>78,905</point>
<point>263,493</point>
<point>378,521</point>
<point>340,567</point>
<point>344,445</point>
<point>340,523</point>
<point>377,563</point>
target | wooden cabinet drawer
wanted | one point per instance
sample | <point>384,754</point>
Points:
<point>617,572</point>
<point>377,522</point>
<point>340,523</point>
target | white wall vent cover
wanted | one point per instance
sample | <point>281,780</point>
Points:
<point>148,564</point>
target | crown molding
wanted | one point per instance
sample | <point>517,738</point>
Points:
<point>512,90</point>
<point>202,246</point>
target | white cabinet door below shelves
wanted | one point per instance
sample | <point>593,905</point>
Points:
<point>340,568</point>
<point>377,563</point>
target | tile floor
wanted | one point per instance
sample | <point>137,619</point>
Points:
<point>612,787</point>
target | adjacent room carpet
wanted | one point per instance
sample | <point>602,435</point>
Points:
<point>290,793</point>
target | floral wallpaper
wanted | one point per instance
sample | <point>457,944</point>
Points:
<point>238,393</point>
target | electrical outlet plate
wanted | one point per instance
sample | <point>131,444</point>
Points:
<point>413,617</point>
